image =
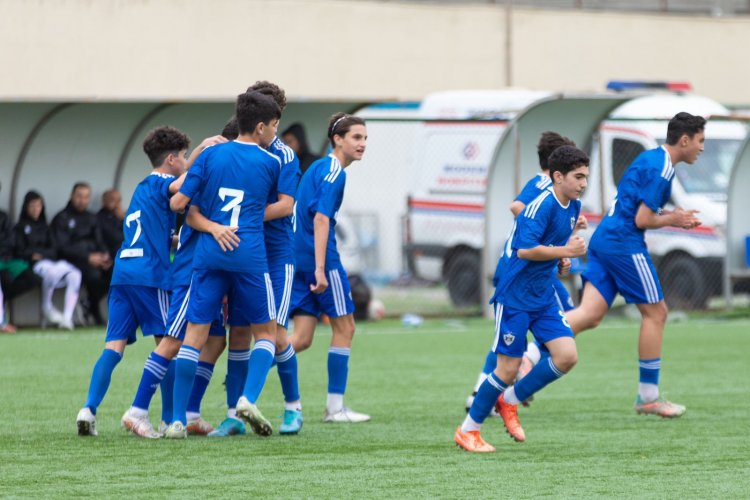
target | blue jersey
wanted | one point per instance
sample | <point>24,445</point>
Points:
<point>148,228</point>
<point>280,232</point>
<point>528,285</point>
<point>234,181</point>
<point>182,265</point>
<point>647,180</point>
<point>321,190</point>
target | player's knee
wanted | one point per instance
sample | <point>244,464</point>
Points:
<point>301,342</point>
<point>565,361</point>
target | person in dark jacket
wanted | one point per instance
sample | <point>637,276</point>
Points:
<point>79,241</point>
<point>296,138</point>
<point>33,242</point>
<point>110,219</point>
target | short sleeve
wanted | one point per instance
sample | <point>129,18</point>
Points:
<point>289,178</point>
<point>531,226</point>
<point>656,193</point>
<point>331,194</point>
<point>529,192</point>
<point>194,179</point>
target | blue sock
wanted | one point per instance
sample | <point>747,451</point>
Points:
<point>486,398</point>
<point>541,375</point>
<point>186,364</point>
<point>490,363</point>
<point>543,351</point>
<point>101,377</point>
<point>261,358</point>
<point>167,394</point>
<point>338,369</point>
<point>202,378</point>
<point>287,368</point>
<point>237,363</point>
<point>153,372</point>
<point>649,370</point>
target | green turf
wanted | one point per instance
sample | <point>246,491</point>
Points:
<point>583,438</point>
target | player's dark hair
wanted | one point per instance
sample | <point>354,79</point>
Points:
<point>162,141</point>
<point>78,185</point>
<point>254,108</point>
<point>566,159</point>
<point>548,142</point>
<point>271,90</point>
<point>340,124</point>
<point>231,131</point>
<point>32,196</point>
<point>684,124</point>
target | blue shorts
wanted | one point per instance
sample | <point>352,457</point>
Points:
<point>511,326</point>
<point>282,279</point>
<point>633,276</point>
<point>563,296</point>
<point>335,302</point>
<point>131,306</point>
<point>250,297</point>
<point>177,318</point>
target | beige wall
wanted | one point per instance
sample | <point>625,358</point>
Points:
<point>325,49</point>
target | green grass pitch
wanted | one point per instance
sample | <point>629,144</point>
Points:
<point>583,437</point>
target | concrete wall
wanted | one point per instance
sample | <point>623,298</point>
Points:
<point>326,49</point>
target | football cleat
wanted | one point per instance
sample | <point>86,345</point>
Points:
<point>509,414</point>
<point>229,427</point>
<point>250,413</point>
<point>661,407</point>
<point>345,415</point>
<point>199,427</point>
<point>292,422</point>
<point>472,441</point>
<point>470,401</point>
<point>86,422</point>
<point>176,430</point>
<point>140,426</point>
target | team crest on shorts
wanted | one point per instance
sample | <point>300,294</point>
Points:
<point>508,338</point>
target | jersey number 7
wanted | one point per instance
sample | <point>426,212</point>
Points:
<point>236,196</point>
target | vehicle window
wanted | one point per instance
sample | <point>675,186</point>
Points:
<point>710,173</point>
<point>623,153</point>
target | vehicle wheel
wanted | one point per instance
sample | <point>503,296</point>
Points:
<point>684,283</point>
<point>462,278</point>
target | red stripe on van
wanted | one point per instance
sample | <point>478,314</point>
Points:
<point>464,207</point>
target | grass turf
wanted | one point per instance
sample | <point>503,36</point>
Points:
<point>583,438</point>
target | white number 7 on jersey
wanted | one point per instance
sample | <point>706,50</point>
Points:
<point>236,195</point>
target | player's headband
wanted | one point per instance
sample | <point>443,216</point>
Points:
<point>336,123</point>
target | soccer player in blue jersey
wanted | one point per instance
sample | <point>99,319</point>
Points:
<point>548,142</point>
<point>320,283</point>
<point>232,183</point>
<point>138,295</point>
<point>619,262</point>
<point>525,299</point>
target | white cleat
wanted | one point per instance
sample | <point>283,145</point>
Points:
<point>86,422</point>
<point>176,431</point>
<point>346,416</point>
<point>250,413</point>
<point>139,425</point>
<point>67,325</point>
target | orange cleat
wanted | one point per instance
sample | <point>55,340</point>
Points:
<point>509,414</point>
<point>199,427</point>
<point>472,441</point>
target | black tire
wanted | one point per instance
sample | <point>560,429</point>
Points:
<point>685,287</point>
<point>463,278</point>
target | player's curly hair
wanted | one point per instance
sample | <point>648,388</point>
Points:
<point>548,142</point>
<point>340,123</point>
<point>231,130</point>
<point>684,124</point>
<point>566,159</point>
<point>254,108</point>
<point>271,90</point>
<point>162,141</point>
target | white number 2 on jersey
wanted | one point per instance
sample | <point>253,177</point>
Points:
<point>236,195</point>
<point>127,253</point>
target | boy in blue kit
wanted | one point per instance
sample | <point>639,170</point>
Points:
<point>232,182</point>
<point>618,257</point>
<point>320,283</point>
<point>548,142</point>
<point>525,298</point>
<point>138,294</point>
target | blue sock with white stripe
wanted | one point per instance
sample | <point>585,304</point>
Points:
<point>101,376</point>
<point>540,376</point>
<point>154,371</point>
<point>486,397</point>
<point>202,378</point>
<point>648,386</point>
<point>186,364</point>
<point>261,358</point>
<point>237,363</point>
<point>287,368</point>
<point>490,362</point>
<point>338,369</point>
<point>167,394</point>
